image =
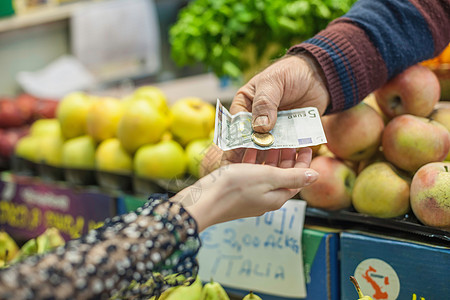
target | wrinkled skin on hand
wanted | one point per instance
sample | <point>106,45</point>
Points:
<point>289,83</point>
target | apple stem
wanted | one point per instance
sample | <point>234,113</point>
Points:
<point>358,289</point>
<point>396,101</point>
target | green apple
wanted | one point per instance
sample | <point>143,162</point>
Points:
<point>195,151</point>
<point>79,153</point>
<point>72,113</point>
<point>191,118</point>
<point>140,124</point>
<point>111,156</point>
<point>381,190</point>
<point>164,160</point>
<point>103,118</point>
<point>153,95</point>
<point>44,127</point>
<point>333,189</point>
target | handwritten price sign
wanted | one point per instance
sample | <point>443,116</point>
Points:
<point>261,254</point>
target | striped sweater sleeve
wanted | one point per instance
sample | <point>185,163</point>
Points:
<point>374,41</point>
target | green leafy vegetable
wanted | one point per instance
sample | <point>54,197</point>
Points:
<point>233,37</point>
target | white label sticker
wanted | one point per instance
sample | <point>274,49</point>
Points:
<point>377,279</point>
<point>261,254</point>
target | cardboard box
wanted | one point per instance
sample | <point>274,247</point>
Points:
<point>29,206</point>
<point>320,257</point>
<point>388,268</point>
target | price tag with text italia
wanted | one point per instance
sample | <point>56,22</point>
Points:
<point>262,254</point>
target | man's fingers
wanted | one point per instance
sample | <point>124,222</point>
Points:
<point>265,104</point>
<point>243,99</point>
<point>272,157</point>
<point>287,158</point>
<point>233,156</point>
<point>250,156</point>
<point>304,157</point>
<point>261,156</point>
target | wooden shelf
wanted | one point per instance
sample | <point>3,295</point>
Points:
<point>38,16</point>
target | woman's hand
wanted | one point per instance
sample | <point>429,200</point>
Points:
<point>245,190</point>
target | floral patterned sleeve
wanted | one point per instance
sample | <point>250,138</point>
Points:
<point>130,257</point>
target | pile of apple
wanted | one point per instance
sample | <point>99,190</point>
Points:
<point>389,154</point>
<point>16,114</point>
<point>137,135</point>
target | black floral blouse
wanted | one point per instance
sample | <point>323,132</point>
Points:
<point>133,256</point>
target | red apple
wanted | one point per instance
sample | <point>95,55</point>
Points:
<point>410,142</point>
<point>10,114</point>
<point>430,195</point>
<point>333,189</point>
<point>415,91</point>
<point>27,105</point>
<point>354,134</point>
<point>45,109</point>
<point>9,139</point>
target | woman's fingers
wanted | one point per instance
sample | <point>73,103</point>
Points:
<point>292,178</point>
<point>277,198</point>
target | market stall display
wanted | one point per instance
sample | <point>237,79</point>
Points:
<point>379,212</point>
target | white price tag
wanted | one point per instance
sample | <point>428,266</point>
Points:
<point>262,254</point>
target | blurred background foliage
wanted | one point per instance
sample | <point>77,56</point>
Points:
<point>237,38</point>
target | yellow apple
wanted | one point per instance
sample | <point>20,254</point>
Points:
<point>79,153</point>
<point>140,124</point>
<point>49,150</point>
<point>111,156</point>
<point>103,117</point>
<point>381,190</point>
<point>164,160</point>
<point>72,113</point>
<point>191,118</point>
<point>195,151</point>
<point>44,127</point>
<point>154,95</point>
<point>26,147</point>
